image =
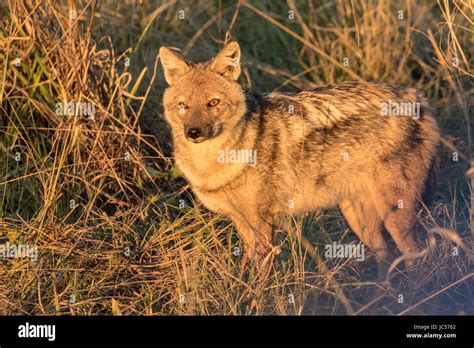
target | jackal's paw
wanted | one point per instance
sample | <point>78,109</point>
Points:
<point>262,250</point>
<point>257,252</point>
<point>267,252</point>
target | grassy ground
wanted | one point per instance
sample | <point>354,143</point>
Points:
<point>117,229</point>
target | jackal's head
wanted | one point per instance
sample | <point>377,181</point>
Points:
<point>203,101</point>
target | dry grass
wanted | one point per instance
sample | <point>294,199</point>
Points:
<point>117,229</point>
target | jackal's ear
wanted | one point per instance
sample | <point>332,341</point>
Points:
<point>227,61</point>
<point>173,65</point>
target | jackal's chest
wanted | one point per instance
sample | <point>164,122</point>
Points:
<point>216,202</point>
<point>211,172</point>
<point>235,197</point>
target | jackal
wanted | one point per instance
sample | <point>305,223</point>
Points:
<point>367,147</point>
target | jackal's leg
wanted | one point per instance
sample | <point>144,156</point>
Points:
<point>397,209</point>
<point>367,225</point>
<point>256,232</point>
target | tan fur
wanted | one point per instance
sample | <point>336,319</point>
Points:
<point>320,148</point>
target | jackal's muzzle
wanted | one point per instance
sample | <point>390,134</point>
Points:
<point>197,134</point>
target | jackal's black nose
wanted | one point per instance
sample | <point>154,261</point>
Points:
<point>194,133</point>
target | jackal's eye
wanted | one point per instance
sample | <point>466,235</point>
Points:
<point>213,102</point>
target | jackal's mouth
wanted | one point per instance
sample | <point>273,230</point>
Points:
<point>216,130</point>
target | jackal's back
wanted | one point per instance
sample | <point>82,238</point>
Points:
<point>314,147</point>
